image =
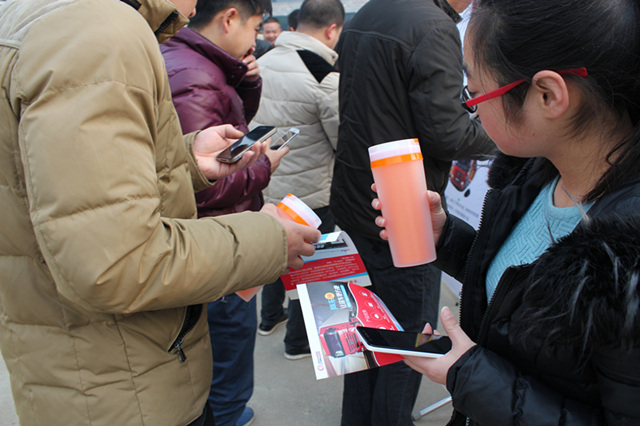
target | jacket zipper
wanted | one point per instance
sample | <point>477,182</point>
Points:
<point>484,202</point>
<point>471,249</point>
<point>163,26</point>
<point>191,317</point>
<point>484,319</point>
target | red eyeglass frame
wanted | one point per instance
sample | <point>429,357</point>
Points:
<point>470,103</point>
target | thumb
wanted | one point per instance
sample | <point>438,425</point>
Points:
<point>453,329</point>
<point>228,131</point>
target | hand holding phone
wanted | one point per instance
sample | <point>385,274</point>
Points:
<point>211,141</point>
<point>234,152</point>
<point>286,138</point>
<point>404,342</point>
<point>437,369</point>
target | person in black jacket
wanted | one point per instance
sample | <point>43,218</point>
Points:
<point>550,303</point>
<point>401,75</point>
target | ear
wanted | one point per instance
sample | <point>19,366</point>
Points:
<point>551,93</point>
<point>228,17</point>
<point>330,32</point>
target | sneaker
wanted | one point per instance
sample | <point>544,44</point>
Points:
<point>246,418</point>
<point>265,330</point>
<point>297,353</point>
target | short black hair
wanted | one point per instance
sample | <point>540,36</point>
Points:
<point>207,9</point>
<point>270,20</point>
<point>292,19</point>
<point>321,13</point>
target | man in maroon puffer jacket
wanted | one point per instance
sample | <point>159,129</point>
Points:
<point>215,79</point>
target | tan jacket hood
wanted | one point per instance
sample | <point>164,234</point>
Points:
<point>162,16</point>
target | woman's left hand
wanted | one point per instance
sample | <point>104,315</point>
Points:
<point>436,369</point>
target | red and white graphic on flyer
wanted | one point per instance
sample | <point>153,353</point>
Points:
<point>336,259</point>
<point>332,310</point>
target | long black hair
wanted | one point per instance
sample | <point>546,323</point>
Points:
<point>514,39</point>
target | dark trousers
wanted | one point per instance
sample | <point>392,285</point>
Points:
<point>273,296</point>
<point>205,419</point>
<point>386,395</point>
<point>232,328</point>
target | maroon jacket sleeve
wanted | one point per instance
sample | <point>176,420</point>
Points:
<point>236,190</point>
<point>250,93</point>
<point>201,101</point>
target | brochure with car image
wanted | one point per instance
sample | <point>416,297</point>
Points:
<point>332,310</point>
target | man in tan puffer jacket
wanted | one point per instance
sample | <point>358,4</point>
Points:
<point>103,266</point>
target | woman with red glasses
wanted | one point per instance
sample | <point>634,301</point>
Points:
<point>549,329</point>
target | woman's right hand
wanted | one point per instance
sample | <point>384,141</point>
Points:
<point>438,215</point>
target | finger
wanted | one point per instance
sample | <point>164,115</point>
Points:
<point>261,148</point>
<point>284,151</point>
<point>453,329</point>
<point>246,159</point>
<point>307,250</point>
<point>311,234</point>
<point>417,363</point>
<point>296,263</point>
<point>384,235</point>
<point>228,131</point>
<point>381,221</point>
<point>375,203</point>
<point>374,187</point>
<point>427,329</point>
<point>435,202</point>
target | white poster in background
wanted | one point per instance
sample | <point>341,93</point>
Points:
<point>465,195</point>
<point>467,184</point>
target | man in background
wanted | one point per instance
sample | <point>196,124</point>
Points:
<point>271,29</point>
<point>215,79</point>
<point>401,76</point>
<point>301,90</point>
<point>292,19</point>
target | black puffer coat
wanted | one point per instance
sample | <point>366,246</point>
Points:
<point>559,343</point>
<point>400,77</point>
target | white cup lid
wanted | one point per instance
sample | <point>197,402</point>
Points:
<point>394,149</point>
<point>302,210</point>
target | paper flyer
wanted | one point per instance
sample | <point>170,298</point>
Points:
<point>336,259</point>
<point>332,310</point>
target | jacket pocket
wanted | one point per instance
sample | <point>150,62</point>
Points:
<point>191,317</point>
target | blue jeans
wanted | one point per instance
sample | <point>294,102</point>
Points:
<point>232,329</point>
<point>386,395</point>
<point>273,297</point>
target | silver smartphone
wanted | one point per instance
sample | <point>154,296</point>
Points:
<point>234,152</point>
<point>286,138</point>
<point>404,342</point>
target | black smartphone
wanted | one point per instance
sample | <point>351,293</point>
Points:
<point>234,152</point>
<point>286,138</point>
<point>404,342</point>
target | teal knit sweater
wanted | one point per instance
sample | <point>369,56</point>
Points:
<point>542,225</point>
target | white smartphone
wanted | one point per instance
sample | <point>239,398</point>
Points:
<point>234,152</point>
<point>286,138</point>
<point>404,342</point>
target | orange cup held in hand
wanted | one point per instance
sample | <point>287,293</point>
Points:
<point>398,172</point>
<point>291,208</point>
